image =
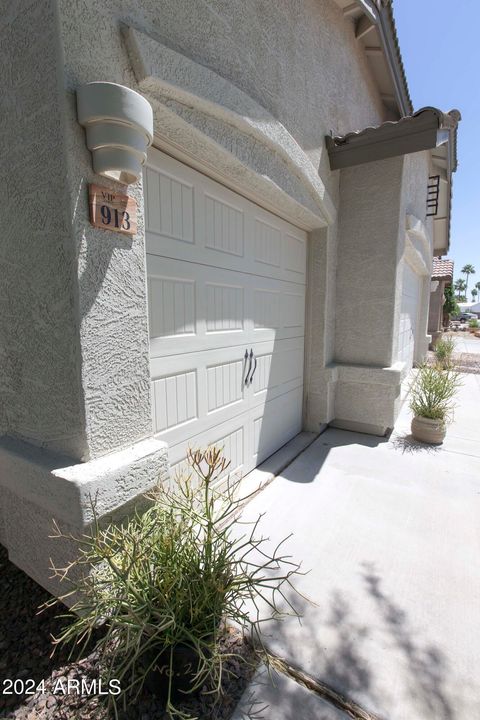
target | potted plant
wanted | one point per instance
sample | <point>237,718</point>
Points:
<point>432,401</point>
<point>163,585</point>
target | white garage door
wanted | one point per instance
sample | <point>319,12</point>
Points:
<point>226,295</point>
<point>409,314</point>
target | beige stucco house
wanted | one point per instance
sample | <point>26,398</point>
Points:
<point>279,275</point>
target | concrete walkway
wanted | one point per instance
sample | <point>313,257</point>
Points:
<point>390,531</point>
<point>465,342</point>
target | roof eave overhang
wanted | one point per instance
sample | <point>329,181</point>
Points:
<point>375,31</point>
<point>428,129</point>
<point>389,41</point>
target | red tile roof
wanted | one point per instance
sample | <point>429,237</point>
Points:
<point>442,269</point>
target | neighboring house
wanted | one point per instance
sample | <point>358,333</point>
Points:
<point>290,208</point>
<point>442,277</point>
<point>470,307</point>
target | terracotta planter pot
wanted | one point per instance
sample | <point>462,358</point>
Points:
<point>428,431</point>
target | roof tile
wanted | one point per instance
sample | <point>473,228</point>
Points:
<point>442,269</point>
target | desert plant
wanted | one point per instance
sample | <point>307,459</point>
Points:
<point>473,324</point>
<point>162,583</point>
<point>443,352</point>
<point>433,392</point>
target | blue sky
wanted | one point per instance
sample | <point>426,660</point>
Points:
<point>440,47</point>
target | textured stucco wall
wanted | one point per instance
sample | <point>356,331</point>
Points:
<point>112,311</point>
<point>40,389</point>
<point>39,486</point>
<point>367,262</point>
<point>299,60</point>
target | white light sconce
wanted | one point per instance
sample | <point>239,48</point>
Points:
<point>119,126</point>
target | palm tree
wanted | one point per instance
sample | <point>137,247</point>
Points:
<point>460,287</point>
<point>468,270</point>
<point>477,285</point>
<point>474,294</point>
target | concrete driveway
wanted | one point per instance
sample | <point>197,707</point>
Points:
<point>465,342</point>
<point>390,531</point>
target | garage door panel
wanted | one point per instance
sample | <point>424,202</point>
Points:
<point>216,385</point>
<point>276,423</point>
<point>169,203</point>
<point>174,302</point>
<point>175,400</point>
<point>295,252</point>
<point>205,422</point>
<point>190,217</point>
<point>224,227</point>
<point>293,306</point>
<point>224,384</point>
<point>226,279</point>
<point>267,249</point>
<point>198,358</point>
<point>278,371</point>
<point>278,309</point>
<point>187,299</point>
<point>232,437</point>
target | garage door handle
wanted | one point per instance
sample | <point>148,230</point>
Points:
<point>245,381</point>
<point>254,368</point>
<point>248,379</point>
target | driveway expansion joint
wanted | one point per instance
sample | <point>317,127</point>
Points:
<point>327,693</point>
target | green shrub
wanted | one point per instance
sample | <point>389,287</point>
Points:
<point>433,392</point>
<point>166,580</point>
<point>473,323</point>
<point>444,351</point>
<point>450,306</point>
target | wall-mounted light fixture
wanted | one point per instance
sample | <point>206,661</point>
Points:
<point>119,126</point>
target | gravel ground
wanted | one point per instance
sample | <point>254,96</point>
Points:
<point>25,647</point>
<point>464,362</point>
<point>467,362</point>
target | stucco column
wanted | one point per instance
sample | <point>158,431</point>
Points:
<point>367,379</point>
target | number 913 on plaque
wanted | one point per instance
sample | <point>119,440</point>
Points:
<point>110,210</point>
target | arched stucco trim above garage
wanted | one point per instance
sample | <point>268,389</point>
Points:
<point>204,119</point>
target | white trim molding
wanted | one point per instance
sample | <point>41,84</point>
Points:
<point>212,121</point>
